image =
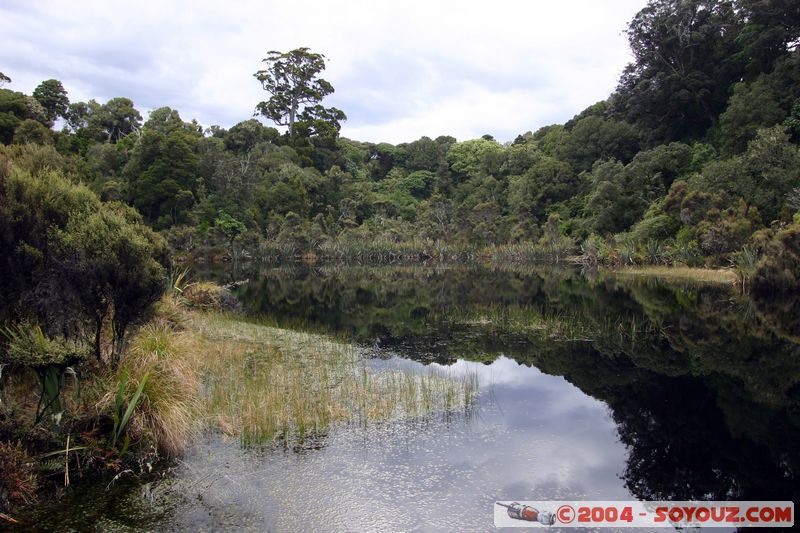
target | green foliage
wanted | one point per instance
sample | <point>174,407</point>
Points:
<point>553,240</point>
<point>32,132</point>
<point>762,176</point>
<point>746,263</point>
<point>74,262</point>
<point>779,269</point>
<point>53,98</point>
<point>685,61</point>
<point>597,138</point>
<point>117,118</point>
<point>475,158</point>
<point>245,135</point>
<point>656,252</point>
<point>678,155</point>
<point>546,183</point>
<point>15,108</point>
<point>229,226</point>
<point>27,345</point>
<point>122,418</point>
<point>658,227</point>
<point>50,358</point>
<point>752,106</point>
<point>162,170</point>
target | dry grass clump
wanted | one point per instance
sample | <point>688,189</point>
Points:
<point>167,408</point>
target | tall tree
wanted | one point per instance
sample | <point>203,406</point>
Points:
<point>771,30</point>
<point>685,62</point>
<point>53,97</point>
<point>292,78</point>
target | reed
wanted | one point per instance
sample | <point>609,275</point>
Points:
<point>554,325</point>
<point>523,252</point>
<point>262,383</point>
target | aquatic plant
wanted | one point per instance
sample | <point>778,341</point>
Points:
<point>673,274</point>
<point>121,418</point>
<point>262,383</point>
<point>657,253</point>
<point>627,252</point>
<point>178,282</point>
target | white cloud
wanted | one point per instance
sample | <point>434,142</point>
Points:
<point>400,69</point>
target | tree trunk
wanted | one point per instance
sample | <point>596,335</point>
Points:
<point>292,115</point>
<point>118,343</point>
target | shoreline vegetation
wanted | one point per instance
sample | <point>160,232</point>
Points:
<point>683,274</point>
<point>197,366</point>
<point>743,270</point>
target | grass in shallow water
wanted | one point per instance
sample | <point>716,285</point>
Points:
<point>261,383</point>
<point>533,322</point>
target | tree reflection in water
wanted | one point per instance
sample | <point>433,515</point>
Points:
<point>703,383</point>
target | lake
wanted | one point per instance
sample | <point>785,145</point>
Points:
<point>592,386</point>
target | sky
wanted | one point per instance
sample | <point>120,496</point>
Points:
<point>401,69</point>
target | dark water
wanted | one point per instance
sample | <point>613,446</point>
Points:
<point>591,388</point>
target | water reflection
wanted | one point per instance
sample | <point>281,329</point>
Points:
<point>535,436</point>
<point>702,383</point>
<point>592,388</point>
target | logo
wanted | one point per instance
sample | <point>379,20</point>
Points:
<point>644,514</point>
<point>517,511</point>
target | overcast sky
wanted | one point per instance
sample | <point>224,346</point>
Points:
<point>401,69</point>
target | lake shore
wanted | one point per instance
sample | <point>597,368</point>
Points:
<point>721,276</point>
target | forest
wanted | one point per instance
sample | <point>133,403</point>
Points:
<point>693,160</point>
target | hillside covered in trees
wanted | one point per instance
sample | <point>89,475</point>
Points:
<point>693,159</point>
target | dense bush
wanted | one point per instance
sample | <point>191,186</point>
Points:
<point>72,263</point>
<point>779,269</point>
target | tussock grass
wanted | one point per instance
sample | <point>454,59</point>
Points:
<point>167,412</point>
<point>262,383</point>
<point>204,296</point>
<point>682,274</point>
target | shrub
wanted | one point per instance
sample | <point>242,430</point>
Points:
<point>206,297</point>
<point>779,269</point>
<point>29,346</point>
<point>73,262</point>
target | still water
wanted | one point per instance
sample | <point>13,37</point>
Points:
<point>591,387</point>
